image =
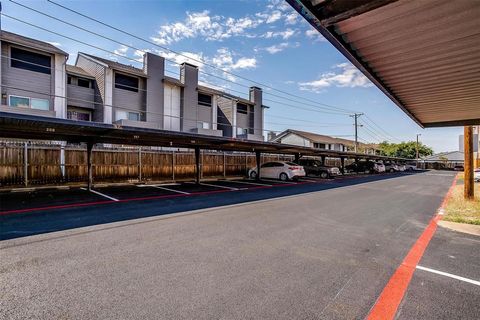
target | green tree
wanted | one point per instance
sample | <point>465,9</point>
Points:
<point>404,149</point>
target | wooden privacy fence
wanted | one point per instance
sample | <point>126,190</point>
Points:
<point>24,163</point>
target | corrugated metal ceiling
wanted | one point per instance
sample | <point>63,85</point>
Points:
<point>424,54</point>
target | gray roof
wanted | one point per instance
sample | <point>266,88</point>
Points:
<point>320,138</point>
<point>78,71</point>
<point>117,65</point>
<point>30,43</point>
<point>453,156</point>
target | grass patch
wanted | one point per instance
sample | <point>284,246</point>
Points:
<point>461,210</point>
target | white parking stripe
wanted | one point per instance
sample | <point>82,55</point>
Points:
<point>279,181</point>
<point>216,185</point>
<point>157,185</point>
<point>475,282</point>
<point>168,189</point>
<point>100,194</point>
<point>253,183</point>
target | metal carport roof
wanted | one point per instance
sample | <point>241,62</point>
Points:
<point>44,128</point>
<point>424,55</point>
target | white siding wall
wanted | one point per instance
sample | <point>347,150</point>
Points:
<point>172,107</point>
<point>60,103</point>
<point>296,140</point>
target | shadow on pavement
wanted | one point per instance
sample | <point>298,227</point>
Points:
<point>16,225</point>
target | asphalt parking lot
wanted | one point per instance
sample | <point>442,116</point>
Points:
<point>312,249</point>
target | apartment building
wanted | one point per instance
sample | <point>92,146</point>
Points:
<point>103,90</point>
<point>319,141</point>
<point>33,76</point>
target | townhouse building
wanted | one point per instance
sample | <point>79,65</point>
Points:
<point>37,80</point>
<point>319,141</point>
<point>33,76</point>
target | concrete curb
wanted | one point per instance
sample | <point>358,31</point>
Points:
<point>461,227</point>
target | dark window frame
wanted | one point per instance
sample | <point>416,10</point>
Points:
<point>205,102</point>
<point>87,83</point>
<point>30,60</point>
<point>130,83</point>
<point>242,108</point>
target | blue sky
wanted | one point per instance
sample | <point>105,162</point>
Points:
<point>265,41</point>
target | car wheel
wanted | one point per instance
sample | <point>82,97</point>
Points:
<point>283,176</point>
<point>253,175</point>
<point>324,175</point>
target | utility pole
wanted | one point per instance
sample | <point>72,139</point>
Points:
<point>356,116</point>
<point>416,147</point>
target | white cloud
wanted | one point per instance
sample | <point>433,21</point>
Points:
<point>184,56</point>
<point>291,18</point>
<point>276,48</point>
<point>121,51</point>
<point>209,27</point>
<point>349,76</point>
<point>224,58</point>
<point>282,34</point>
<point>314,34</point>
<point>274,16</point>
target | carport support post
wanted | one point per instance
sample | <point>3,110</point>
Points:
<point>468,168</point>
<point>258,158</point>
<point>25,163</point>
<point>89,164</point>
<point>323,160</point>
<point>342,165</point>
<point>140,164</point>
<point>297,157</point>
<point>197,165</point>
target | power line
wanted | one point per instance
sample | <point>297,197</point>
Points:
<point>194,59</point>
<point>135,60</point>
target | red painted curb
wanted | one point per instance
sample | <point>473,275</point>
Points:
<point>387,304</point>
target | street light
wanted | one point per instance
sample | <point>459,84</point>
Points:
<point>418,135</point>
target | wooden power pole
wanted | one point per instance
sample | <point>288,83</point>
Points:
<point>468,167</point>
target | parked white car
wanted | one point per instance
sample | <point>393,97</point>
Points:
<point>391,167</point>
<point>476,176</point>
<point>278,170</point>
<point>379,167</point>
<point>401,167</point>
<point>411,167</point>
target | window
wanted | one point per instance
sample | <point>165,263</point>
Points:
<point>242,131</point>
<point>31,61</point>
<point>204,100</point>
<point>126,115</point>
<point>203,125</point>
<point>126,82</point>
<point>81,82</point>
<point>69,80</point>
<point>78,115</point>
<point>19,102</point>
<point>319,145</point>
<point>40,104</point>
<point>242,108</point>
<point>25,102</point>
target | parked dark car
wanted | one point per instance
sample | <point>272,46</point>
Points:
<point>458,168</point>
<point>361,166</point>
<point>316,168</point>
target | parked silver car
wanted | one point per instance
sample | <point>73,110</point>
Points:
<point>278,170</point>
